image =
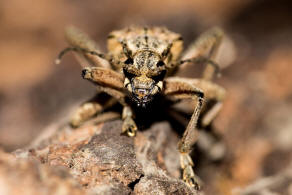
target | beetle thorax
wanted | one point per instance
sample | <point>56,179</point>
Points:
<point>146,60</point>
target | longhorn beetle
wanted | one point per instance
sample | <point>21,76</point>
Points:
<point>139,65</point>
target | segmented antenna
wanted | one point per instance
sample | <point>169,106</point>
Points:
<point>77,49</point>
<point>203,60</point>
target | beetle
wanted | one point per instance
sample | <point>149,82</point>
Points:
<point>140,65</point>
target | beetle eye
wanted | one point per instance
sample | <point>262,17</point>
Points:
<point>160,76</point>
<point>128,74</point>
<point>129,61</point>
<point>160,63</point>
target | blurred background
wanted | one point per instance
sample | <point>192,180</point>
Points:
<point>255,122</point>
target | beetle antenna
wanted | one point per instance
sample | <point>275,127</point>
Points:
<point>78,49</point>
<point>203,60</point>
<point>126,49</point>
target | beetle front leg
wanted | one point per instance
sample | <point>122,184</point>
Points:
<point>182,90</point>
<point>112,83</point>
<point>129,125</point>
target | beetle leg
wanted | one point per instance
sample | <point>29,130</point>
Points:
<point>112,83</point>
<point>85,112</point>
<point>212,91</point>
<point>181,90</point>
<point>207,46</point>
<point>91,108</point>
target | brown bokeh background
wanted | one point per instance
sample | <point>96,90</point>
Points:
<point>255,123</point>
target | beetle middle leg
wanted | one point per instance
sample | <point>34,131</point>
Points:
<point>207,46</point>
<point>112,83</point>
<point>91,108</point>
<point>212,91</point>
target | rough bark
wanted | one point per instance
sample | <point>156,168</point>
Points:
<point>96,159</point>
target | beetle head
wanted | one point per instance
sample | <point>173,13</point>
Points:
<point>144,73</point>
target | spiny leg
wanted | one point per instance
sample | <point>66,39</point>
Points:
<point>85,112</point>
<point>111,82</point>
<point>207,45</point>
<point>208,142</point>
<point>212,91</point>
<point>181,90</point>
<point>91,108</point>
<point>214,37</point>
<point>129,126</point>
